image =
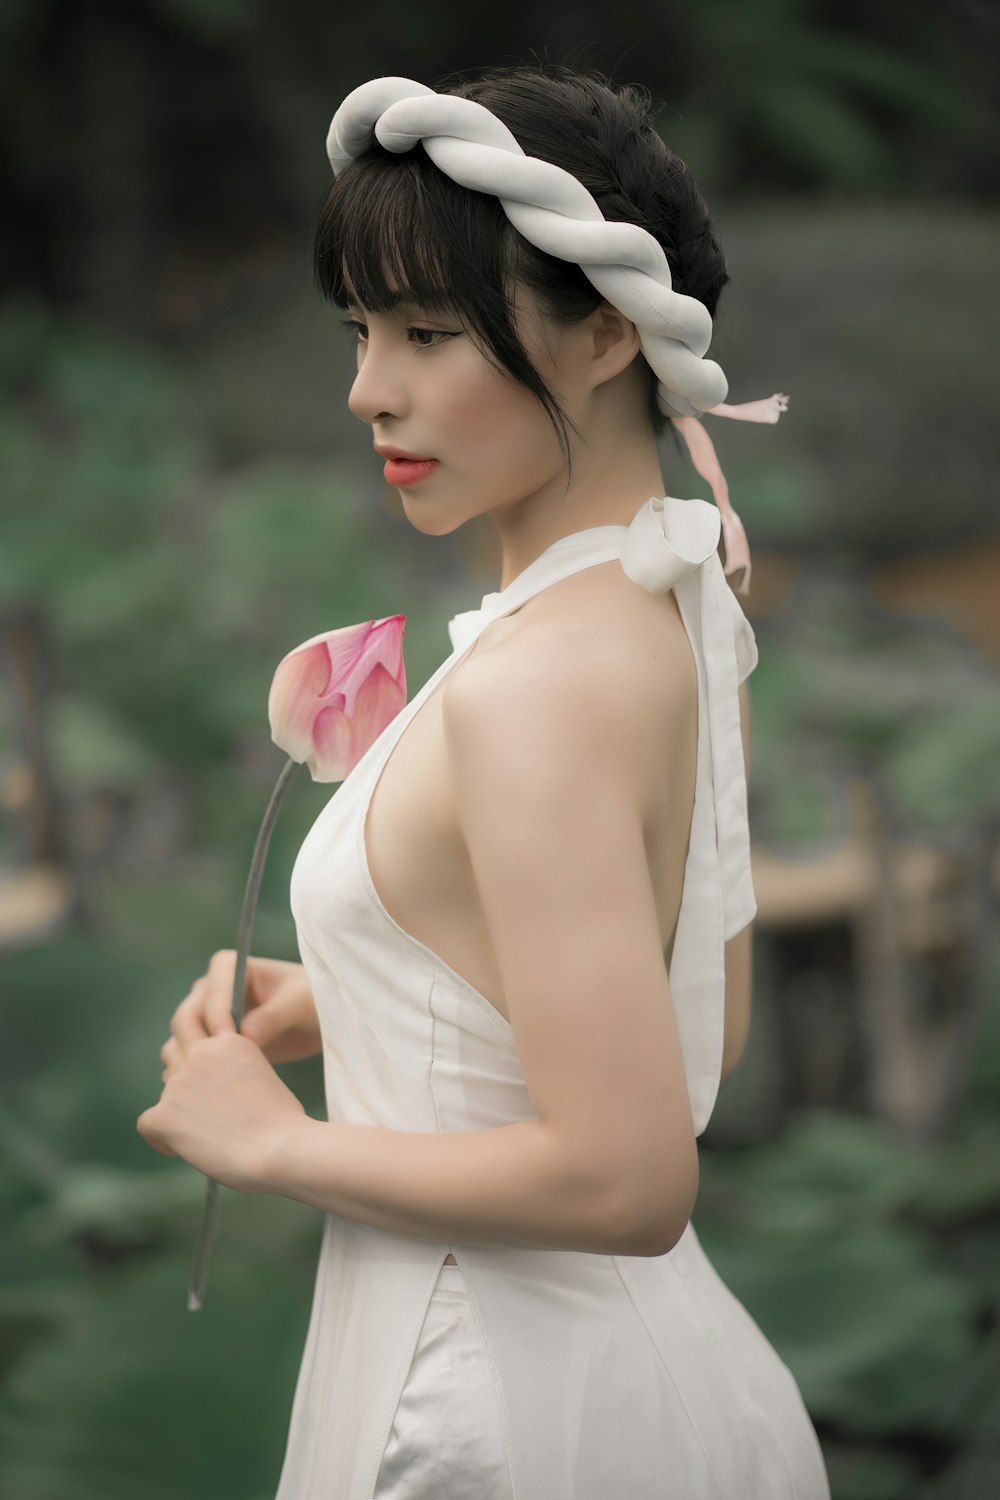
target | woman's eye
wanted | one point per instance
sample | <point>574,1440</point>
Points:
<point>424,338</point>
<point>434,333</point>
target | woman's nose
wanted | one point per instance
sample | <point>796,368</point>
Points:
<point>378,390</point>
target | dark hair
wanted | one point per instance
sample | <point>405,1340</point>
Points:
<point>454,250</point>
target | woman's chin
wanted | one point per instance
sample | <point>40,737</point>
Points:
<point>425,519</point>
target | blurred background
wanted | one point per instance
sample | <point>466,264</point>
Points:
<point>185,497</point>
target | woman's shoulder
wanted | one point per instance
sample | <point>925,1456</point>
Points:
<point>599,624</point>
<point>602,613</point>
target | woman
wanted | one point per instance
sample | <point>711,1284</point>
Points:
<point>525,916</point>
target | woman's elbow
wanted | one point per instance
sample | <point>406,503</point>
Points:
<point>661,1217</point>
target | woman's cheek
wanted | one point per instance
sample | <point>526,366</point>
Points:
<point>475,408</point>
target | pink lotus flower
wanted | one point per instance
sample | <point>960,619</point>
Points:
<point>330,700</point>
<point>332,696</point>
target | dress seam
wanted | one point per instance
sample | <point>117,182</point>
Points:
<point>321,1346</point>
<point>433,1049</point>
<point>670,1374</point>
<point>405,1364</point>
<point>498,1389</point>
<point>494,1375</point>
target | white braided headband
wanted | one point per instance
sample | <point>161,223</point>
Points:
<point>556,213</point>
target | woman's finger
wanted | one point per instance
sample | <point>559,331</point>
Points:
<point>219,1005</point>
<point>188,1020</point>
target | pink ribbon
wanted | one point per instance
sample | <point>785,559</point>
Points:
<point>706,461</point>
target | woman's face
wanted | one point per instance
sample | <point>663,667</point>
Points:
<point>426,389</point>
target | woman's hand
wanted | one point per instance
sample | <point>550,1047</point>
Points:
<point>279,1010</point>
<point>221,1107</point>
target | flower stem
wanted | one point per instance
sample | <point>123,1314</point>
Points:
<point>208,1227</point>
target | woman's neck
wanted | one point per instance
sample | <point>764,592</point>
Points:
<point>611,482</point>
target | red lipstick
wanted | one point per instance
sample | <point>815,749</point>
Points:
<point>405,471</point>
<point>404,468</point>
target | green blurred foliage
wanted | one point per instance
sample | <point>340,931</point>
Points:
<point>844,689</point>
<point>131,1397</point>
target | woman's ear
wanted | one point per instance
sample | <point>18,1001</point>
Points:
<point>615,342</point>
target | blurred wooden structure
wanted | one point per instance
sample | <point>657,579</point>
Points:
<point>893,933</point>
<point>40,894</point>
<point>910,924</point>
<point>957,588</point>
<point>59,834</point>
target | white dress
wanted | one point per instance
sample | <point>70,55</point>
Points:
<point>525,1374</point>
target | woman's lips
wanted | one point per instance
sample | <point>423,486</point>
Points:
<point>408,470</point>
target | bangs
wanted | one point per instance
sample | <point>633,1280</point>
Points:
<point>395,230</point>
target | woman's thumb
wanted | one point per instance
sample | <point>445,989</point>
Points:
<point>267,1020</point>
<point>256,1026</point>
